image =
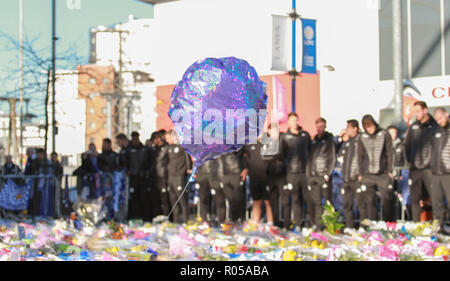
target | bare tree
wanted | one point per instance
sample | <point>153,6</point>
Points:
<point>37,78</point>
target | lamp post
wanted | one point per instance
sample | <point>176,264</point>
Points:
<point>294,16</point>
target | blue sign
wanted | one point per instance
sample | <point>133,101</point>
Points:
<point>309,46</point>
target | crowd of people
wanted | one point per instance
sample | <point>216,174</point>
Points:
<point>289,168</point>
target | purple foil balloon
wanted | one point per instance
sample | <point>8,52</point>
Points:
<point>218,106</point>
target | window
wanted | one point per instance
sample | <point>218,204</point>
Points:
<point>386,48</point>
<point>425,46</point>
<point>426,38</point>
<point>447,35</point>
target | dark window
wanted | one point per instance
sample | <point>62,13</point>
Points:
<point>425,38</point>
<point>447,35</point>
<point>385,36</point>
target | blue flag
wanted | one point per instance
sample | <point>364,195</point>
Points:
<point>14,197</point>
<point>309,46</point>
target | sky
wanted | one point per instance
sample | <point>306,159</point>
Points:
<point>72,25</point>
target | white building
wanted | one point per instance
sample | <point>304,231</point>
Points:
<point>70,113</point>
<point>129,48</point>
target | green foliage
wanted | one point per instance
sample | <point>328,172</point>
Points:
<point>330,218</point>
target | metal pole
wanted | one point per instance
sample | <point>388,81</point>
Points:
<point>398,64</point>
<point>293,53</point>
<point>21,79</point>
<point>53,73</point>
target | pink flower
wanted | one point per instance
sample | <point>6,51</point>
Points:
<point>376,236</point>
<point>319,236</point>
<point>388,253</point>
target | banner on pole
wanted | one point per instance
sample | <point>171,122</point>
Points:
<point>279,51</point>
<point>309,46</point>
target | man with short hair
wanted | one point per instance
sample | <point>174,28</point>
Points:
<point>350,172</point>
<point>440,167</point>
<point>158,172</point>
<point>400,175</point>
<point>31,156</point>
<point>275,170</point>
<point>9,168</point>
<point>375,167</point>
<point>124,144</point>
<point>107,160</point>
<point>320,166</point>
<point>294,145</point>
<point>138,172</point>
<point>418,149</point>
<point>179,165</point>
<point>57,167</point>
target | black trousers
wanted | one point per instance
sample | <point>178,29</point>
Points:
<point>155,198</point>
<point>275,184</point>
<point>419,179</point>
<point>162,187</point>
<point>318,188</point>
<point>218,196</point>
<point>176,185</point>
<point>440,190</point>
<point>203,183</point>
<point>234,190</point>
<point>386,188</point>
<point>294,188</point>
<point>349,194</point>
<point>139,206</point>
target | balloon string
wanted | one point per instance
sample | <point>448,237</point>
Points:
<point>191,179</point>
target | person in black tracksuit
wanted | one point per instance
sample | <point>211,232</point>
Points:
<point>275,169</point>
<point>418,151</point>
<point>9,168</point>
<point>259,181</point>
<point>124,144</point>
<point>108,164</point>
<point>398,150</point>
<point>217,192</point>
<point>158,175</point>
<point>138,172</point>
<point>375,160</point>
<point>440,167</point>
<point>234,170</point>
<point>399,161</point>
<point>294,150</point>
<point>179,165</point>
<point>320,166</point>
<point>108,159</point>
<point>350,173</point>
<point>204,184</point>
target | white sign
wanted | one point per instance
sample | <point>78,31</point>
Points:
<point>279,50</point>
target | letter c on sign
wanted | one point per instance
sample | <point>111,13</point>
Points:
<point>435,93</point>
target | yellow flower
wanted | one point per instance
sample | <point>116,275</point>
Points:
<point>322,245</point>
<point>442,251</point>
<point>315,244</point>
<point>289,255</point>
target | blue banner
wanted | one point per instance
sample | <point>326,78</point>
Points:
<point>14,197</point>
<point>309,46</point>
